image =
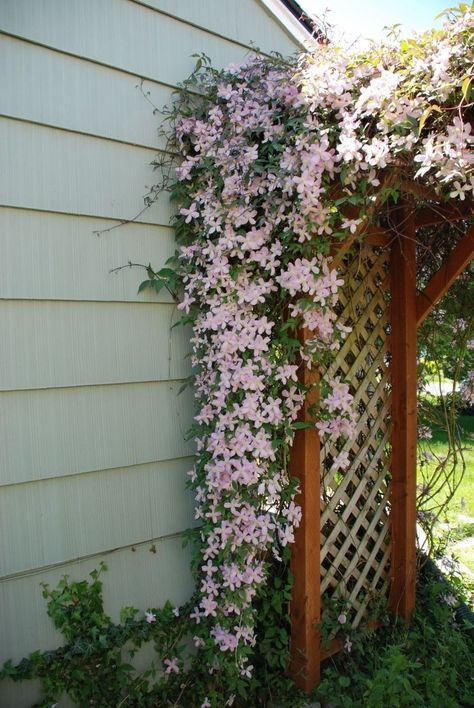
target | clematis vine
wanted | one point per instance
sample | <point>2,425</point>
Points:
<point>281,162</point>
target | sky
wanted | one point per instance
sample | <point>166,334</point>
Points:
<point>360,19</point>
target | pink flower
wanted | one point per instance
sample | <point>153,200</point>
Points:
<point>342,619</point>
<point>171,666</point>
<point>150,617</point>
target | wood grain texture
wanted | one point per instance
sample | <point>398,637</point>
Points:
<point>440,282</point>
<point>53,433</point>
<point>305,606</point>
<point>404,415</point>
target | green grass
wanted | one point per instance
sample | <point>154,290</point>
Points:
<point>457,523</point>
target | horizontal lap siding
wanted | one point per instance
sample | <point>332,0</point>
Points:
<point>59,432</point>
<point>54,170</point>
<point>93,449</point>
<point>54,344</point>
<point>49,256</point>
<point>137,576</point>
<point>96,512</point>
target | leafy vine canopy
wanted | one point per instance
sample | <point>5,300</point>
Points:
<point>283,164</point>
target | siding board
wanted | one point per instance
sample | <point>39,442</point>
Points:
<point>245,21</point>
<point>95,512</point>
<point>49,344</point>
<point>57,432</point>
<point>74,94</point>
<point>93,450</point>
<point>121,34</point>
<point>162,575</point>
<point>48,256</point>
<point>54,170</point>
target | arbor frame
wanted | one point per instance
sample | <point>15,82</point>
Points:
<point>408,311</point>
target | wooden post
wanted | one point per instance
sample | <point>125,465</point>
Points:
<point>404,404</point>
<point>306,552</point>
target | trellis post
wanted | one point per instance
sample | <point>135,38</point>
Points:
<point>404,418</point>
<point>305,562</point>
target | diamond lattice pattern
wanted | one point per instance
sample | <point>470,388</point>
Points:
<point>355,544</point>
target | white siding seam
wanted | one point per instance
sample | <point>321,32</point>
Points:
<point>97,554</point>
<point>98,136</point>
<point>74,387</point>
<point>207,30</point>
<point>118,222</point>
<point>4,485</point>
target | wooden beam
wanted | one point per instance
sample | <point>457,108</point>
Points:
<point>305,607</point>
<point>404,434</point>
<point>454,264</point>
<point>439,213</point>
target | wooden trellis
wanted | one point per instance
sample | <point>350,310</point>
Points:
<point>357,539</point>
<point>355,548</point>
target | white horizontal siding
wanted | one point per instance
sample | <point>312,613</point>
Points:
<point>96,512</point>
<point>146,579</point>
<point>245,21</point>
<point>93,450</point>
<point>58,432</point>
<point>121,34</point>
<point>59,257</point>
<point>53,170</point>
<point>48,87</point>
<point>48,344</point>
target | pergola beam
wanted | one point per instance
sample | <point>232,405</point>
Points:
<point>438,213</point>
<point>440,282</point>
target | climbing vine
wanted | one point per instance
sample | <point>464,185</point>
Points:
<point>282,165</point>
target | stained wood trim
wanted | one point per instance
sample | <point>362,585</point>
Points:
<point>305,607</point>
<point>439,213</point>
<point>440,282</point>
<point>404,408</point>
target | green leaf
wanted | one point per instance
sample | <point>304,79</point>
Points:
<point>145,284</point>
<point>466,88</point>
<point>426,114</point>
<point>300,425</point>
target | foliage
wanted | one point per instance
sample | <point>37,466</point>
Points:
<point>426,663</point>
<point>282,162</point>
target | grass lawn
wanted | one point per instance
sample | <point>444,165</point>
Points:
<point>459,521</point>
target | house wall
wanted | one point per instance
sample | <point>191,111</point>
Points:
<point>93,459</point>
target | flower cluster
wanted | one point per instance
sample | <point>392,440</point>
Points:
<point>280,163</point>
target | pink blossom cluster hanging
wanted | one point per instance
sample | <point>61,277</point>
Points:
<point>273,156</point>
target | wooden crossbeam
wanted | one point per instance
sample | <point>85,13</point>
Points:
<point>404,407</point>
<point>455,263</point>
<point>439,213</point>
<point>305,606</point>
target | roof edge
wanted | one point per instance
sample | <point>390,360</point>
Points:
<point>292,18</point>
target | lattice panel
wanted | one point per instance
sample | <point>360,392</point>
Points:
<point>355,545</point>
